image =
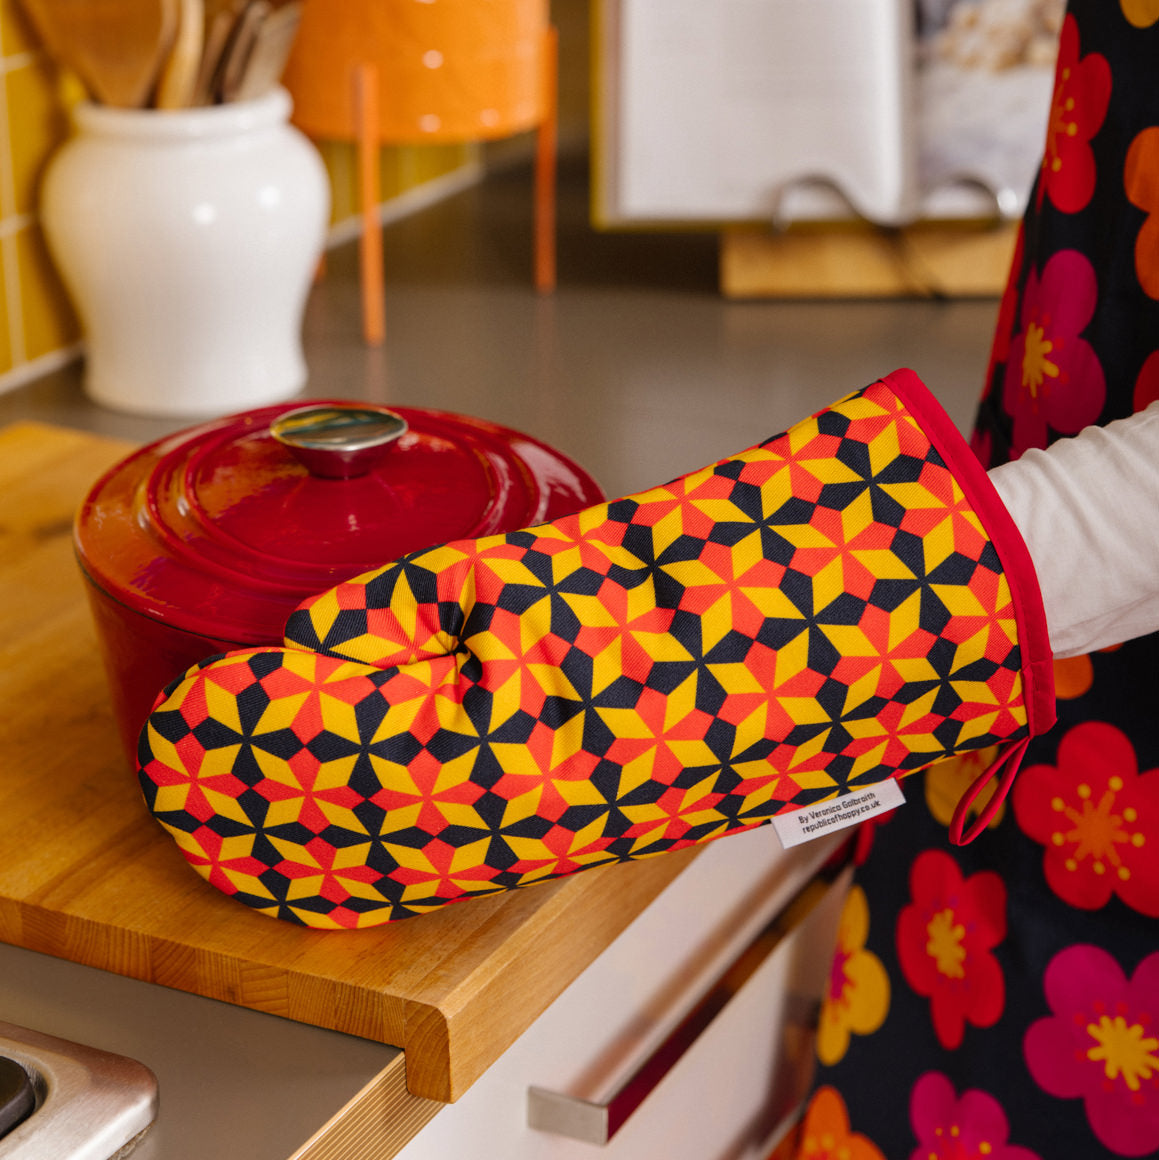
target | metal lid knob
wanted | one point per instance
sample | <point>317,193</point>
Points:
<point>338,441</point>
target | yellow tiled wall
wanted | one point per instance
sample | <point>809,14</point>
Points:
<point>38,329</point>
<point>38,320</point>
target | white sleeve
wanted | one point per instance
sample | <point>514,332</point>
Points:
<point>1088,509</point>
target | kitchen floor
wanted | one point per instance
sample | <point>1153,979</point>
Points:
<point>636,366</point>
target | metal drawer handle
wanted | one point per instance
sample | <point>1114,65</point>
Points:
<point>598,1122</point>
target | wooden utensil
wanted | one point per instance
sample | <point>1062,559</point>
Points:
<point>220,18</point>
<point>271,49</point>
<point>237,53</point>
<point>115,47</point>
<point>178,80</point>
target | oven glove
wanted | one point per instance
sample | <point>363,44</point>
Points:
<point>845,603</point>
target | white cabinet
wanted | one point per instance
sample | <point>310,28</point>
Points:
<point>723,922</point>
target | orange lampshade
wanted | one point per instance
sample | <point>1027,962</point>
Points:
<point>447,70</point>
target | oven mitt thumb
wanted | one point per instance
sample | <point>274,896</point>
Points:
<point>842,604</point>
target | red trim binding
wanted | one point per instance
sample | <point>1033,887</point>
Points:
<point>1011,757</point>
<point>1029,615</point>
<point>1033,640</point>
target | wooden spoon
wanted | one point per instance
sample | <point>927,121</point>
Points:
<point>220,18</point>
<point>237,53</point>
<point>115,47</point>
<point>175,89</point>
<point>273,40</point>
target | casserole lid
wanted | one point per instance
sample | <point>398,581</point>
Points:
<point>224,528</point>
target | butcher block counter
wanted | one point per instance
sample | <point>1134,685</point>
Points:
<point>86,875</point>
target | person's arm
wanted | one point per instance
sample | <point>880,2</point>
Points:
<point>1088,509</point>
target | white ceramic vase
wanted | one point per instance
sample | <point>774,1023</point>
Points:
<point>188,241</point>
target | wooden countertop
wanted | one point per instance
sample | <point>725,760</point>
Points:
<point>87,875</point>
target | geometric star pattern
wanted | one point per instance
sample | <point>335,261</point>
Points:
<point>817,614</point>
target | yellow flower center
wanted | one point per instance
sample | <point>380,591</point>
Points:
<point>945,943</point>
<point>1036,367</point>
<point>950,1145</point>
<point>1123,1051</point>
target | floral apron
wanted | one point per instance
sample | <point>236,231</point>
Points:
<point>1001,1000</point>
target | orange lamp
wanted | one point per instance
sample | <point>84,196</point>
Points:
<point>410,71</point>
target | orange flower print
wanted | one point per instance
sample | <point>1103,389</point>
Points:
<point>947,781</point>
<point>1082,90</point>
<point>858,995</point>
<point>1140,13</point>
<point>1142,184</point>
<point>1073,676</point>
<point>826,1135</point>
<point>1097,818</point>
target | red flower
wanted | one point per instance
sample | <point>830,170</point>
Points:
<point>948,1128</point>
<point>1082,90</point>
<point>1100,1045</point>
<point>1053,376</point>
<point>1147,384</point>
<point>943,941</point>
<point>1098,819</point>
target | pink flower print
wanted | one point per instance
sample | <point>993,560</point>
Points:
<point>1101,1045</point>
<point>973,1127</point>
<point>1098,819</point>
<point>1082,91</point>
<point>944,938</point>
<point>1053,377</point>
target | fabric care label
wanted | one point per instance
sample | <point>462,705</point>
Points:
<point>827,817</point>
